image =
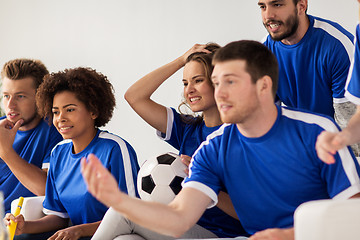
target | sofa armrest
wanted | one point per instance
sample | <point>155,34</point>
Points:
<point>328,219</point>
<point>31,208</point>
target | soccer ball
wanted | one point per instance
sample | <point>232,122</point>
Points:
<point>160,177</point>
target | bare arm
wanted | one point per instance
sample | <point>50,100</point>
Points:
<point>173,219</point>
<point>32,177</point>
<point>138,95</point>
<point>76,232</point>
<point>44,224</point>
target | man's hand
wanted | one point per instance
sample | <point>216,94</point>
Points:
<point>274,234</point>
<point>7,135</point>
<point>100,182</point>
<point>327,144</point>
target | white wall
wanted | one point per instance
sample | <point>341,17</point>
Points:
<point>125,39</point>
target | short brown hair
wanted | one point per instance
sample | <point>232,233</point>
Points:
<point>260,61</point>
<point>90,87</point>
<point>22,67</point>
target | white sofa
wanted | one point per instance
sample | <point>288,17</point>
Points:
<point>328,220</point>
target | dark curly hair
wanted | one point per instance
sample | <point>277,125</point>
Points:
<point>90,87</point>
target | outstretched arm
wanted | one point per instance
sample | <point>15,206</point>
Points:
<point>32,177</point>
<point>138,95</point>
<point>173,219</point>
<point>328,143</point>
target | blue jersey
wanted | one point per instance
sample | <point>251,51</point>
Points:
<point>313,72</point>
<point>66,192</point>
<point>268,177</point>
<point>353,83</point>
<point>34,146</point>
<point>187,138</point>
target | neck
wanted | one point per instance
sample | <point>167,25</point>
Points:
<point>79,144</point>
<point>259,123</point>
<point>31,124</point>
<point>304,24</point>
<point>212,117</point>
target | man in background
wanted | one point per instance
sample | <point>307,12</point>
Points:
<point>26,139</point>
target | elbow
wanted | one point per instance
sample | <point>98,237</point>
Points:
<point>180,230</point>
<point>130,97</point>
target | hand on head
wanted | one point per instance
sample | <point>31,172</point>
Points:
<point>193,49</point>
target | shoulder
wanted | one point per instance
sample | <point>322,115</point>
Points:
<point>113,140</point>
<point>333,31</point>
<point>218,136</point>
<point>309,118</point>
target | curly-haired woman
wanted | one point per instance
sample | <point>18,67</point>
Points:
<point>78,101</point>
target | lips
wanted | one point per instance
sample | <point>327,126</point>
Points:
<point>12,115</point>
<point>273,26</point>
<point>64,129</point>
<point>224,107</point>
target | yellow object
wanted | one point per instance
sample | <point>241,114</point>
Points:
<point>12,226</point>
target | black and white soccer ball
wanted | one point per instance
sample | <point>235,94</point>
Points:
<point>160,177</point>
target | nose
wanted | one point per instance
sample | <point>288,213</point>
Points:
<point>190,88</point>
<point>60,117</point>
<point>11,103</point>
<point>268,14</point>
<point>220,92</point>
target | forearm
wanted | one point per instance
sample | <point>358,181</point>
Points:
<point>32,177</point>
<point>45,224</point>
<point>158,217</point>
<point>146,86</point>
<point>344,112</point>
<point>353,128</point>
<point>226,205</point>
<point>86,230</point>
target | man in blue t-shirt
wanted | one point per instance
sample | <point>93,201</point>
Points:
<point>264,157</point>
<point>314,57</point>
<point>26,139</point>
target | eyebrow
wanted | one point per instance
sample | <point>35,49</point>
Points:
<point>194,77</point>
<point>65,106</point>
<point>272,2</point>
<point>17,93</point>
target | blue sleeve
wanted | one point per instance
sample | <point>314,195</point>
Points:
<point>338,65</point>
<point>177,130</point>
<point>122,163</point>
<point>353,82</point>
<point>202,174</point>
<point>342,177</point>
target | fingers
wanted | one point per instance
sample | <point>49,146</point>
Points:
<point>327,145</point>
<point>18,124</point>
<point>185,159</point>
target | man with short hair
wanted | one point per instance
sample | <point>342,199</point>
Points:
<point>314,57</point>
<point>263,156</point>
<point>26,139</point>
